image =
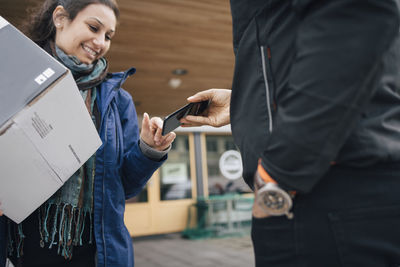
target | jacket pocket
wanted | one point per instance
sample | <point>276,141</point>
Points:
<point>110,141</point>
<point>368,236</point>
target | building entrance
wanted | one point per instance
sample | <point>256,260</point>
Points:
<point>162,207</point>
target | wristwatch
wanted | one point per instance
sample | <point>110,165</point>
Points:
<point>270,197</point>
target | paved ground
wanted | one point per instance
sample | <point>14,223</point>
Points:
<point>173,251</point>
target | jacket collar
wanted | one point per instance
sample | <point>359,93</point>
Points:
<point>118,78</point>
<point>110,87</point>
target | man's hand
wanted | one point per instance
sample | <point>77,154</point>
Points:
<point>257,211</point>
<point>217,114</point>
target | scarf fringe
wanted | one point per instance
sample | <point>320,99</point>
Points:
<point>15,234</point>
<point>69,222</point>
<point>64,219</point>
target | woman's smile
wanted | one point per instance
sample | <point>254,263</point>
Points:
<point>90,52</point>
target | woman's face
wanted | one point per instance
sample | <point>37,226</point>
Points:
<point>88,36</point>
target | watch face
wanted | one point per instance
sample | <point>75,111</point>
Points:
<point>274,200</point>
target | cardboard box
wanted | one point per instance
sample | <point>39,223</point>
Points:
<point>46,132</point>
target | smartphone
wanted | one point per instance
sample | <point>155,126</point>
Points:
<point>171,122</point>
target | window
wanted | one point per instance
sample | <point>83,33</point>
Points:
<point>218,184</point>
<point>175,180</point>
<point>141,197</point>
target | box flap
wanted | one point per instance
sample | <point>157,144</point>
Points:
<point>61,128</point>
<point>25,70</point>
<point>26,179</point>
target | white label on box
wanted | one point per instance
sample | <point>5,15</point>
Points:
<point>40,79</point>
<point>48,72</point>
<point>3,22</point>
<point>44,76</point>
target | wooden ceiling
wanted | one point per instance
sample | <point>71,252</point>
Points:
<point>157,37</point>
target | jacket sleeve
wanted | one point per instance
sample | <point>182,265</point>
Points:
<point>339,48</point>
<point>136,167</point>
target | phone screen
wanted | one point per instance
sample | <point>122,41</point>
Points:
<point>171,122</point>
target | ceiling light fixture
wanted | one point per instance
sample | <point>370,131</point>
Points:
<point>175,82</point>
<point>179,71</point>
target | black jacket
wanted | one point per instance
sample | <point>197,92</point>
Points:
<point>315,82</point>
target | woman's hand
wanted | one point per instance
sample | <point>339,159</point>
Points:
<point>217,113</point>
<point>151,133</point>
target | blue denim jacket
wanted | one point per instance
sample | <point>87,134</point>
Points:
<point>121,172</point>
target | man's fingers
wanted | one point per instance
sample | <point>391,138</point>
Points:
<point>191,121</point>
<point>203,95</point>
<point>195,119</point>
<point>189,124</point>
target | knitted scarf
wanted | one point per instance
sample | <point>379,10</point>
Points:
<point>62,217</point>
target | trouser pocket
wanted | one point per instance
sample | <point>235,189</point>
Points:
<point>273,241</point>
<point>368,236</point>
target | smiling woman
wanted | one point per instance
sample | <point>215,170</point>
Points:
<point>82,224</point>
<point>88,36</point>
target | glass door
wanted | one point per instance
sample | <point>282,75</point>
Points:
<point>162,207</point>
<point>175,175</point>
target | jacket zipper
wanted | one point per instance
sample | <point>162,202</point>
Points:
<point>117,142</point>
<point>267,92</point>
<point>104,192</point>
<point>103,120</point>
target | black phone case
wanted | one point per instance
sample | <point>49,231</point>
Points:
<point>171,122</point>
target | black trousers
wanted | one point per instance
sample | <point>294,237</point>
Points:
<point>350,219</point>
<point>35,256</point>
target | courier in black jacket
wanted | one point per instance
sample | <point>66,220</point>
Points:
<point>315,110</point>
